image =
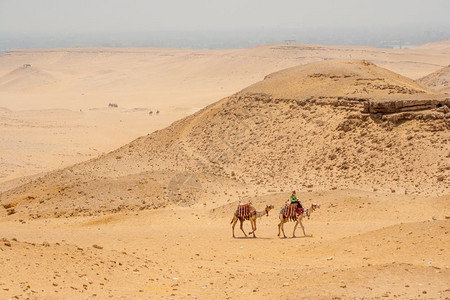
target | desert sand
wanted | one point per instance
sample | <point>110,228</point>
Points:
<point>35,85</point>
<point>104,202</point>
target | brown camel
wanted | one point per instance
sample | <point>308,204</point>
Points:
<point>252,217</point>
<point>297,218</point>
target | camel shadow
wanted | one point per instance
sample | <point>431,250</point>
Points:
<point>296,237</point>
<point>251,238</point>
<point>302,237</point>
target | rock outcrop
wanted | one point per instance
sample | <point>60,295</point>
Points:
<point>396,106</point>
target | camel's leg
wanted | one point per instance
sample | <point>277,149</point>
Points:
<point>303,227</point>
<point>253,223</point>
<point>242,222</point>
<point>295,227</point>
<point>281,225</point>
<point>234,224</point>
<point>279,229</point>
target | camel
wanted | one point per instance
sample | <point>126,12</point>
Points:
<point>297,218</point>
<point>254,215</point>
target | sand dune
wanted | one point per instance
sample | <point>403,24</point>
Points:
<point>34,142</point>
<point>292,128</point>
<point>442,46</point>
<point>24,78</point>
<point>438,81</point>
<point>151,219</point>
<point>136,76</point>
<point>176,82</point>
<point>333,79</point>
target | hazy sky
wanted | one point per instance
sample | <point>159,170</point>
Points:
<point>242,23</point>
<point>67,16</point>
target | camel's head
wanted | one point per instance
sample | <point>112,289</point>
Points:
<point>268,208</point>
<point>315,206</point>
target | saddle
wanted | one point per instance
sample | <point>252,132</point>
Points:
<point>292,211</point>
<point>244,210</point>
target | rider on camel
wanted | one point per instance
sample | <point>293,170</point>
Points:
<point>294,200</point>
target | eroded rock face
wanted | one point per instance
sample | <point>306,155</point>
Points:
<point>396,106</point>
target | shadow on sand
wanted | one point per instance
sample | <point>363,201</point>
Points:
<point>298,237</point>
<point>251,238</point>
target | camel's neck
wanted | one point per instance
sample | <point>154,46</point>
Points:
<point>309,211</point>
<point>259,214</point>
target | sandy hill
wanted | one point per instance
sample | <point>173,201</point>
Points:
<point>337,79</point>
<point>88,77</point>
<point>177,82</point>
<point>442,46</point>
<point>367,144</point>
<point>25,78</point>
<point>438,81</point>
<point>335,124</point>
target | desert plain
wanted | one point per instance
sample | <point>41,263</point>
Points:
<point>135,201</point>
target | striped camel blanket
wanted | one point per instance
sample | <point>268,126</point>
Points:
<point>244,210</point>
<point>291,211</point>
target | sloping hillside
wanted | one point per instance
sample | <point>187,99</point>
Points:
<point>307,127</point>
<point>333,79</point>
<point>286,131</point>
<point>438,81</point>
<point>25,77</point>
<point>441,46</point>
